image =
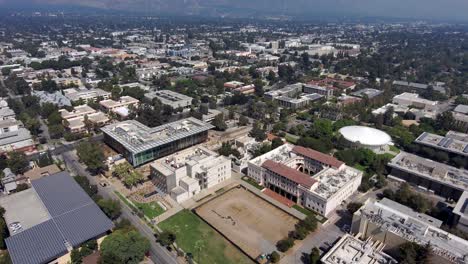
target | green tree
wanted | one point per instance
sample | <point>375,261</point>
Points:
<point>91,154</point>
<point>124,247</point>
<point>353,207</point>
<point>219,123</point>
<point>90,189</point>
<point>259,87</point>
<point>445,121</point>
<point>314,257</point>
<point>75,256</point>
<point>412,253</point>
<point>243,121</point>
<point>276,142</point>
<point>17,162</point>
<point>274,257</point>
<point>110,207</point>
<point>285,244</point>
<point>167,238</point>
<point>258,133</point>
<point>5,258</point>
<point>4,233</point>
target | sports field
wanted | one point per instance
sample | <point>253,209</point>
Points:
<point>247,220</point>
<point>206,245</point>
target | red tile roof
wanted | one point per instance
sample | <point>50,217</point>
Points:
<point>290,173</point>
<point>319,156</point>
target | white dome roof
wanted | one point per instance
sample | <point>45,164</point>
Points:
<point>365,135</point>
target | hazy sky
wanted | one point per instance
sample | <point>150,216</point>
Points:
<point>440,9</point>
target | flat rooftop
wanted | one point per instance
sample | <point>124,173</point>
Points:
<point>350,249</point>
<point>416,227</point>
<point>414,98</point>
<point>124,100</point>
<point>168,96</point>
<point>80,110</point>
<point>446,143</point>
<point>171,163</point>
<point>332,180</point>
<point>24,207</point>
<point>288,89</point>
<point>429,169</point>
<point>66,217</point>
<point>137,137</point>
<point>281,154</point>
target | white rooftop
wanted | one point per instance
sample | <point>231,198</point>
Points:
<point>415,227</point>
<point>365,135</point>
<point>351,250</point>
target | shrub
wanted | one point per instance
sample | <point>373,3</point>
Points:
<point>285,244</point>
<point>274,257</point>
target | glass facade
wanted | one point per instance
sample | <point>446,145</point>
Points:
<point>137,159</point>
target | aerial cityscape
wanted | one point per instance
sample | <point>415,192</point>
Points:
<point>222,133</point>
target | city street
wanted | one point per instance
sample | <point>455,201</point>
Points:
<point>158,254</point>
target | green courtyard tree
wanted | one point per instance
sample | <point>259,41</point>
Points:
<point>124,247</point>
<point>91,154</point>
<point>110,207</point>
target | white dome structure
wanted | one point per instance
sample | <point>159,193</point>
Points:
<point>366,137</point>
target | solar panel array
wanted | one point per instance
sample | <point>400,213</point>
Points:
<point>38,244</point>
<point>60,193</point>
<point>75,219</point>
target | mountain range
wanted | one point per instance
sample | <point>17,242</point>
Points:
<point>416,9</point>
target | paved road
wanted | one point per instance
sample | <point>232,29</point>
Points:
<point>58,150</point>
<point>159,255</point>
<point>323,238</point>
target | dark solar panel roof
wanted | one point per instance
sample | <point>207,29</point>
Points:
<point>83,223</point>
<point>38,244</point>
<point>75,219</point>
<point>60,193</point>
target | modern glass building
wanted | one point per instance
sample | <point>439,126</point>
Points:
<point>140,144</point>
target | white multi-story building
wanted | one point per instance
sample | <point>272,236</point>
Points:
<point>350,249</point>
<point>413,100</point>
<point>187,172</point>
<point>395,224</point>
<point>310,178</point>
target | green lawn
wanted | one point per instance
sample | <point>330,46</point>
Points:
<point>125,200</point>
<point>151,210</point>
<point>360,167</point>
<point>191,231</point>
<point>291,139</point>
<point>308,212</point>
<point>252,182</point>
<point>394,149</point>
